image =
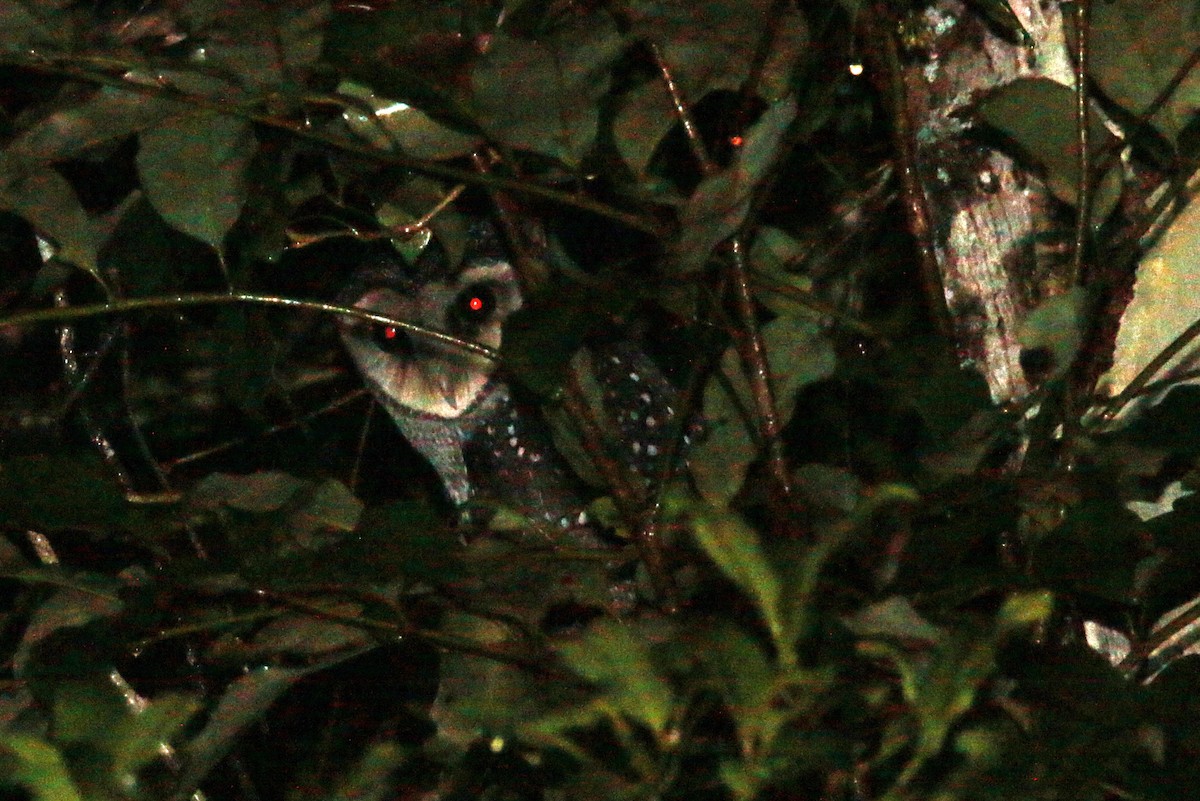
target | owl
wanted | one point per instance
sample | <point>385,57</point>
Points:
<point>490,446</point>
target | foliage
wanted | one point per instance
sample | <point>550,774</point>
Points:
<point>213,581</point>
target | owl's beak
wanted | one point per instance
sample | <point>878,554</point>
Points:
<point>446,384</point>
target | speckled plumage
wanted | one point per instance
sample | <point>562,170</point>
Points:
<point>490,448</point>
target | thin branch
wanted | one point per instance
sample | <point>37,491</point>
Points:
<point>221,447</point>
<point>75,377</point>
<point>1143,120</point>
<point>752,351</point>
<point>683,112</point>
<point>1158,638</point>
<point>1083,205</point>
<point>59,315</point>
<point>916,206</point>
<point>1137,385</point>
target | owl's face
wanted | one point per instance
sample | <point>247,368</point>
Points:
<point>422,375</point>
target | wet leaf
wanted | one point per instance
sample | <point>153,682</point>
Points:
<point>388,124</point>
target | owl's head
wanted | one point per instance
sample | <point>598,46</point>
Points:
<point>417,374</point>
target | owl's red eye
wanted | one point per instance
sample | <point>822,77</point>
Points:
<point>391,339</point>
<point>473,307</point>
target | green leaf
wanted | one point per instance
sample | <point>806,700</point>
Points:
<point>46,200</point>
<point>23,28</point>
<point>643,121</point>
<point>718,206</point>
<point>386,124</point>
<point>711,45</point>
<point>1056,327</point>
<point>39,768</point>
<point>138,739</point>
<point>267,491</point>
<point>104,117</point>
<point>1038,115</point>
<point>733,545</point>
<point>243,703</point>
<point>543,95</point>
<point>613,656</point>
<point>193,169</point>
<point>1022,610</point>
<point>798,354</point>
<point>893,618</point>
<point>1136,50</point>
<point>1095,550</point>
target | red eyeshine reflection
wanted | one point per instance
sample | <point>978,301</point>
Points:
<point>389,332</point>
<point>475,304</point>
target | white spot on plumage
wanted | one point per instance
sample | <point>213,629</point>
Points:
<point>645,397</point>
<point>652,450</point>
<point>651,422</point>
<point>637,447</point>
<point>635,377</point>
<point>512,441</point>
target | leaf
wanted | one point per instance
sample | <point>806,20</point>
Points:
<point>798,354</point>
<point>1023,610</point>
<point>733,545</point>
<point>1095,550</point>
<point>80,600</point>
<point>544,95</point>
<point>643,121</point>
<point>1038,115</point>
<point>267,491</point>
<point>711,45</point>
<point>23,29</point>
<point>718,206</point>
<point>137,740</point>
<point>46,200</point>
<point>613,656</point>
<point>39,768</point>
<point>194,172</point>
<point>1137,48</point>
<point>73,128</point>
<point>1056,327</point>
<point>1166,301</point>
<point>893,618</point>
<point>244,702</point>
<point>386,124</point>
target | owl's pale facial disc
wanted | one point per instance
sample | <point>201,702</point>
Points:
<point>424,375</point>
